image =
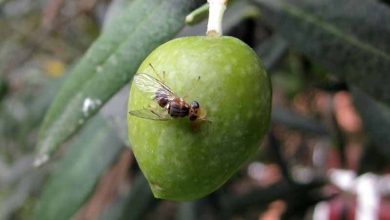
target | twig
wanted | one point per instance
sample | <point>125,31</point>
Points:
<point>275,150</point>
<point>262,197</point>
<point>216,11</point>
<point>197,15</point>
<point>296,121</point>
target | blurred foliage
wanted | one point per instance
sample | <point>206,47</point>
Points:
<point>134,204</point>
<point>376,119</point>
<point>74,179</point>
<point>326,58</point>
<point>105,68</point>
<point>335,33</point>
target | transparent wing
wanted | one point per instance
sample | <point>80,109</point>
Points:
<point>149,84</point>
<point>151,114</point>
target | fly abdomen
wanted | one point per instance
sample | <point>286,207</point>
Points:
<point>178,109</point>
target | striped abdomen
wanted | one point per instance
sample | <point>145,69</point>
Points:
<point>178,108</point>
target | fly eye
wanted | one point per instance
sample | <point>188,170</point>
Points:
<point>195,105</point>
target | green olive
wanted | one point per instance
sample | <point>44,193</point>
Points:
<point>183,159</point>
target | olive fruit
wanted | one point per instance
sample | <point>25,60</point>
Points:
<point>184,159</point>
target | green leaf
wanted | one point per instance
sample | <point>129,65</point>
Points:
<point>108,65</point>
<point>114,12</point>
<point>187,211</point>
<point>376,120</point>
<point>350,37</point>
<point>76,176</point>
<point>271,51</point>
<point>133,205</point>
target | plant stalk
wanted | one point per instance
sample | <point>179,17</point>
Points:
<point>216,11</point>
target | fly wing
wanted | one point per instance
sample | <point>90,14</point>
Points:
<point>151,114</point>
<point>149,84</point>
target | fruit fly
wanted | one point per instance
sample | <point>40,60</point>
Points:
<point>172,105</point>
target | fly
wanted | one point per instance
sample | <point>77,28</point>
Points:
<point>172,105</point>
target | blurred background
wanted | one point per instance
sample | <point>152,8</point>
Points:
<point>326,155</point>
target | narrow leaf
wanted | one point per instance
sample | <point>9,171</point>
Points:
<point>376,120</point>
<point>76,176</point>
<point>350,37</point>
<point>271,51</point>
<point>133,205</point>
<point>114,13</point>
<point>108,65</point>
<point>187,211</point>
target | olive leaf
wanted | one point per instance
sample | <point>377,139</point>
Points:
<point>350,37</point>
<point>108,65</point>
<point>77,173</point>
<point>113,13</point>
<point>376,120</point>
<point>187,211</point>
<point>132,205</point>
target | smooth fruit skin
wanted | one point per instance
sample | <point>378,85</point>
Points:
<point>228,80</point>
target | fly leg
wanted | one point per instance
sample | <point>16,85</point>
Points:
<point>191,90</point>
<point>162,79</point>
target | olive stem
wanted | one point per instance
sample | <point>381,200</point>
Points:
<point>216,10</point>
